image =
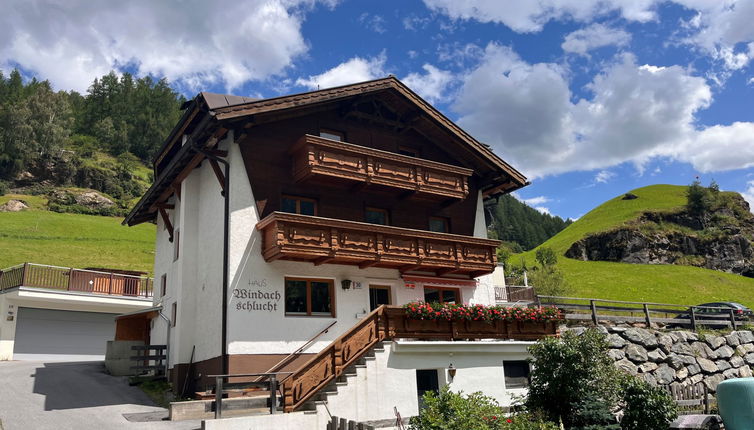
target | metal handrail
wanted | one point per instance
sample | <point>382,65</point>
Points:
<point>308,343</point>
<point>272,385</point>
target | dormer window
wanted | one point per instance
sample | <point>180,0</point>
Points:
<point>332,134</point>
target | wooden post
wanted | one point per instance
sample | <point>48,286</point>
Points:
<point>693,319</point>
<point>732,319</point>
<point>25,274</point>
<point>333,423</point>
<point>646,315</point>
<point>218,397</point>
<point>706,401</point>
<point>273,394</point>
<point>70,278</point>
<point>343,424</point>
<point>594,312</point>
<point>110,288</point>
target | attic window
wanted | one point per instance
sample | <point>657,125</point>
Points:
<point>332,134</point>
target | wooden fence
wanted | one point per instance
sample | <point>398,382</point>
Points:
<point>513,293</point>
<point>69,279</point>
<point>345,424</point>
<point>618,311</point>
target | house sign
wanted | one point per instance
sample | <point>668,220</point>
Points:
<point>255,298</point>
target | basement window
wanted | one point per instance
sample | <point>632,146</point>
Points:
<point>516,374</point>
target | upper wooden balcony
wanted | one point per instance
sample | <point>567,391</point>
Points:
<point>340,161</point>
<point>324,240</point>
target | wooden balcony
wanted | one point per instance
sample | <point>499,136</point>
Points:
<point>339,161</point>
<point>75,280</point>
<point>323,240</point>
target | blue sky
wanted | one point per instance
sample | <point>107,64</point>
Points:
<point>588,98</point>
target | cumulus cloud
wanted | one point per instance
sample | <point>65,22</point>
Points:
<point>635,113</point>
<point>721,28</point>
<point>592,37</point>
<point>356,69</point>
<point>603,176</point>
<point>432,84</point>
<point>749,194</point>
<point>531,16</point>
<point>535,201</point>
<point>192,42</point>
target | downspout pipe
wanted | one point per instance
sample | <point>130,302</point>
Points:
<point>226,241</point>
<point>167,342</point>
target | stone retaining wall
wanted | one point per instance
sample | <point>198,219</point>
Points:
<point>680,358</point>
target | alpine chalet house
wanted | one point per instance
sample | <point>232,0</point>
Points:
<point>284,224</point>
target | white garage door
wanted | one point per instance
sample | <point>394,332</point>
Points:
<point>52,335</point>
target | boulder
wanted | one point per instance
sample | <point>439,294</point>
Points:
<point>724,352</point>
<point>733,339</point>
<point>641,336</point>
<point>647,367</point>
<point>714,342</point>
<point>695,379</point>
<point>636,353</point>
<point>712,381</point>
<point>626,366</point>
<point>615,341</point>
<point>693,369</point>
<point>666,342</point>
<point>682,348</point>
<point>749,358</point>
<point>745,336</point>
<point>702,350</point>
<point>744,372</point>
<point>707,366</point>
<point>656,355</point>
<point>682,373</point>
<point>723,365</point>
<point>13,206</point>
<point>616,354</point>
<point>731,373</point>
<point>94,199</point>
<point>736,361</point>
<point>664,374</point>
<point>675,361</point>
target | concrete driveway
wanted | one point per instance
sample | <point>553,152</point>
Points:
<point>41,396</point>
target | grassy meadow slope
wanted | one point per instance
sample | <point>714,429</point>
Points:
<point>640,282</point>
<point>72,240</point>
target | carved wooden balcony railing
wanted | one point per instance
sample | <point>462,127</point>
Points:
<point>325,240</point>
<point>391,322</point>
<point>316,156</point>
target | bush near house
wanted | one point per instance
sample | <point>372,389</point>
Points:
<point>574,381</point>
<point>447,410</point>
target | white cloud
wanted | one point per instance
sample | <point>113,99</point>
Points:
<point>535,201</point>
<point>749,194</point>
<point>604,176</point>
<point>542,209</point>
<point>375,23</point>
<point>592,37</point>
<point>531,16</point>
<point>431,85</point>
<point>719,27</point>
<point>192,43</point>
<point>635,113</point>
<point>356,69</point>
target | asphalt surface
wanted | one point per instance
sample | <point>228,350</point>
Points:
<point>61,396</point>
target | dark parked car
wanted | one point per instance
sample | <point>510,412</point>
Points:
<point>739,310</point>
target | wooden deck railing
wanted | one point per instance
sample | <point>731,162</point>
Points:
<point>79,280</point>
<point>334,241</point>
<point>316,156</point>
<point>511,293</point>
<point>391,322</point>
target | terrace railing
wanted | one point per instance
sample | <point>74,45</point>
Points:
<point>78,280</point>
<point>512,293</point>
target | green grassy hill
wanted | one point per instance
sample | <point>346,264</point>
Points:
<point>71,240</point>
<point>639,282</point>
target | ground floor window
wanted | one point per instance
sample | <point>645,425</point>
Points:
<point>516,374</point>
<point>426,380</point>
<point>442,295</point>
<point>309,297</point>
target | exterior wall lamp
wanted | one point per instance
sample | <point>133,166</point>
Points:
<point>451,372</point>
<point>346,284</point>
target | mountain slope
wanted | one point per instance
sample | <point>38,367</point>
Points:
<point>72,240</point>
<point>516,222</point>
<point>640,282</point>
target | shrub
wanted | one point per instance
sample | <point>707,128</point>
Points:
<point>4,188</point>
<point>549,281</point>
<point>447,410</point>
<point>567,371</point>
<point>646,406</point>
<point>593,413</point>
<point>546,257</point>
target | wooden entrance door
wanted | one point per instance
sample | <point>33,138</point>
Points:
<point>379,295</point>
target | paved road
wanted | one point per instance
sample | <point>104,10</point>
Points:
<point>76,396</point>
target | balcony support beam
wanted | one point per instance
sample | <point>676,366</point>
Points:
<point>322,260</point>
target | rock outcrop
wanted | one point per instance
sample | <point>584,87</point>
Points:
<point>721,240</point>
<point>13,206</point>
